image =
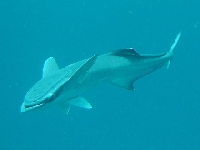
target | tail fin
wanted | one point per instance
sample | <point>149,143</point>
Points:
<point>171,51</point>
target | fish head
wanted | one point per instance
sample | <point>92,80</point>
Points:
<point>47,89</point>
<point>41,94</point>
<point>35,102</point>
<point>31,104</point>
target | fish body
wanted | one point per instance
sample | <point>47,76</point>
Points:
<point>63,87</point>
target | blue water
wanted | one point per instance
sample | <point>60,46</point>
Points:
<point>162,113</point>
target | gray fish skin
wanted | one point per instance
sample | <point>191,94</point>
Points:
<point>62,87</point>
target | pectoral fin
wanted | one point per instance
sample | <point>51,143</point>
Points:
<point>80,102</point>
<point>80,73</point>
<point>77,101</point>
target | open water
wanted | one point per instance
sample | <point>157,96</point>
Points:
<point>163,113</point>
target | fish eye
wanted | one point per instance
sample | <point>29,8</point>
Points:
<point>51,94</point>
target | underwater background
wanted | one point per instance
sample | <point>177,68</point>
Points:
<point>162,113</point>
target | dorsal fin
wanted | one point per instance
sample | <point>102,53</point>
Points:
<point>50,66</point>
<point>125,52</point>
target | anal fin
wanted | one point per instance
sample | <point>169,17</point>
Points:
<point>124,83</point>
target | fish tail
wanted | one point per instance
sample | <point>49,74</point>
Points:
<point>171,51</point>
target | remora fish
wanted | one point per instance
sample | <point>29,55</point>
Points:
<point>62,87</point>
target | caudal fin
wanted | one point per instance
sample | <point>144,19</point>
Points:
<point>171,51</point>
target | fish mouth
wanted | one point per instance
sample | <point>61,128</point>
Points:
<point>25,108</point>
